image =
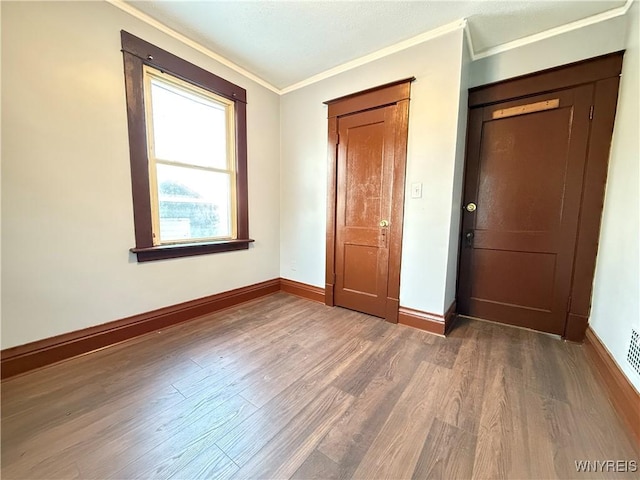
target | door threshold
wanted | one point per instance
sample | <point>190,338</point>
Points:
<point>552,335</point>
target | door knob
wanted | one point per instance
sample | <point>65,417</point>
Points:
<point>470,207</point>
<point>384,223</point>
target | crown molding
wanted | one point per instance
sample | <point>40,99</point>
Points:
<point>467,36</point>
<point>398,47</point>
<point>125,7</point>
<point>552,32</point>
<point>384,52</point>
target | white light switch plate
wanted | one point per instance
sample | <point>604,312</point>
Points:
<point>416,190</point>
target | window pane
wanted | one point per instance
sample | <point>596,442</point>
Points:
<point>188,128</point>
<point>193,204</point>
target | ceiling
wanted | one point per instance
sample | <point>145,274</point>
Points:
<point>286,42</point>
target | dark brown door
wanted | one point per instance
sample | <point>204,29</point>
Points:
<point>523,186</point>
<point>367,158</point>
<point>363,209</point>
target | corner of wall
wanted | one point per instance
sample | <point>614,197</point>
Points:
<point>457,190</point>
<point>615,308</point>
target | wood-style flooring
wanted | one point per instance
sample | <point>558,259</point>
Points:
<point>282,387</point>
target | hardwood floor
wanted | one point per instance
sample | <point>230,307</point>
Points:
<point>282,387</point>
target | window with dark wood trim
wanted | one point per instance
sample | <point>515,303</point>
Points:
<point>141,57</point>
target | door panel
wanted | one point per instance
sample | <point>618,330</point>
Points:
<point>531,152</point>
<point>364,185</point>
<point>498,275</point>
<point>360,270</point>
<point>363,169</point>
<point>524,173</point>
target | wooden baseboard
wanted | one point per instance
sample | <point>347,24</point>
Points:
<point>438,324</point>
<point>623,395</point>
<point>48,351</point>
<point>38,354</point>
<point>430,322</point>
<point>303,290</point>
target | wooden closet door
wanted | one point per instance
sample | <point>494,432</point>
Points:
<point>524,178</point>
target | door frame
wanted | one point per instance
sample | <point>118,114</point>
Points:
<point>397,93</point>
<point>603,73</point>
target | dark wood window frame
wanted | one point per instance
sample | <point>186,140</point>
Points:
<point>137,53</point>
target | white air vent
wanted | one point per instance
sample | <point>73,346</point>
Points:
<point>633,356</point>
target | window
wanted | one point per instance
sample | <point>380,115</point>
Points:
<point>190,134</point>
<point>187,143</point>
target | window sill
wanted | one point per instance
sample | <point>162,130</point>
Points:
<point>162,252</point>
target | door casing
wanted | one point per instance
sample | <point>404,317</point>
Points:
<point>392,93</point>
<point>603,73</point>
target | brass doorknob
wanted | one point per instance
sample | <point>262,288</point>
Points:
<point>384,223</point>
<point>471,207</point>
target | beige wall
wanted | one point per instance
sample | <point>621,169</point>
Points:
<point>616,296</point>
<point>458,177</point>
<point>587,42</point>
<point>431,159</point>
<point>67,221</point>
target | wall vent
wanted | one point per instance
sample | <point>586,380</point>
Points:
<point>633,357</point>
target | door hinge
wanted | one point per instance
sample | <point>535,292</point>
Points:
<point>591,113</point>
<point>569,304</point>
<point>337,139</point>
